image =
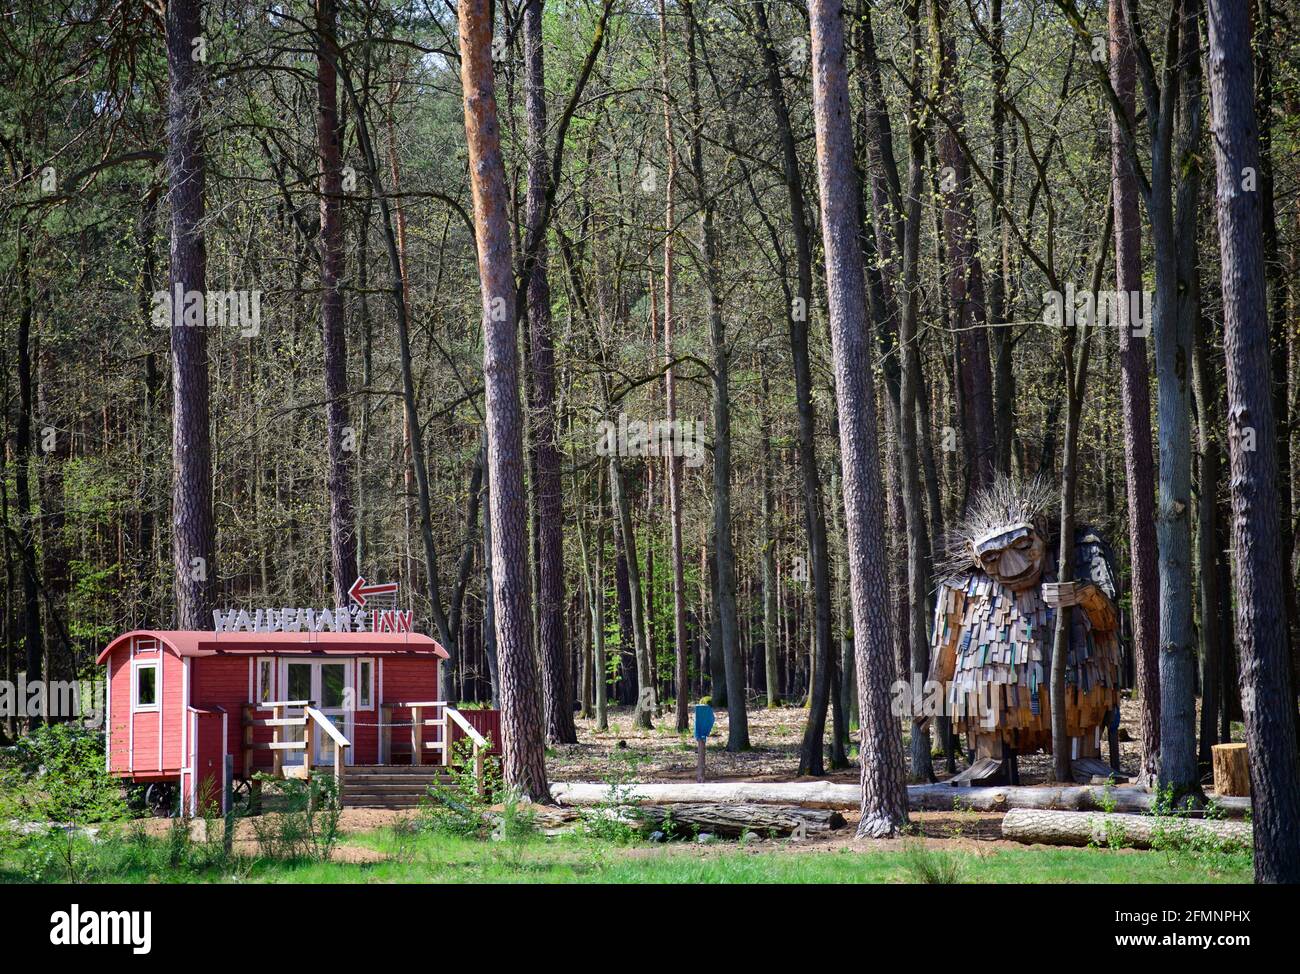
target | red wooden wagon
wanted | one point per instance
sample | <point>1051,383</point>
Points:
<point>195,715</point>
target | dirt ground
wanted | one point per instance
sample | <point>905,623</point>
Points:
<point>661,755</point>
<point>625,753</point>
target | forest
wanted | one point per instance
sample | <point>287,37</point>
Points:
<point>678,352</point>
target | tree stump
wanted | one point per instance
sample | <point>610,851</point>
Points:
<point>1231,769</point>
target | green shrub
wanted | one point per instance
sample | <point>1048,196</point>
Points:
<point>930,866</point>
<point>57,774</point>
<point>307,824</point>
<point>457,808</point>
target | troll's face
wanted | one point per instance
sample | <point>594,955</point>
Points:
<point>1012,554</point>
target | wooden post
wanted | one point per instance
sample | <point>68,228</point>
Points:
<point>248,742</point>
<point>228,806</point>
<point>385,734</point>
<point>338,772</point>
<point>308,735</point>
<point>699,759</point>
<point>416,723</point>
<point>1231,769</point>
<point>277,755</point>
<point>446,737</point>
<point>309,739</point>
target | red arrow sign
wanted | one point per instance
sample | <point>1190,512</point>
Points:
<point>360,590</point>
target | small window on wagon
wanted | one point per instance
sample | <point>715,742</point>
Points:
<point>265,667</point>
<point>144,689</point>
<point>365,684</point>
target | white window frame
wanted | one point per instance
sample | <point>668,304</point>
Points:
<point>365,704</point>
<point>146,708</point>
<point>262,693</point>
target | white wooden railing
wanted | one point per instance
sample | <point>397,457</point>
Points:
<point>444,717</point>
<point>309,721</point>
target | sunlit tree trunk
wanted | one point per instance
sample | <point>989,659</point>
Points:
<point>521,717</point>
<point>884,796</point>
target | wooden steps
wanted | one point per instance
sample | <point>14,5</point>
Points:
<point>390,785</point>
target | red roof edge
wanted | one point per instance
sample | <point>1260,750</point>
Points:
<point>191,643</point>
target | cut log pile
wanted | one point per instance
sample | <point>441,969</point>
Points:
<point>826,794</point>
<point>729,819</point>
<point>733,819</point>
<point>1046,827</point>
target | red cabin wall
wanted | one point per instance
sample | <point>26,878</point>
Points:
<point>134,738</point>
<point>223,681</point>
<point>193,738</point>
<point>207,782</point>
<point>412,681</point>
<point>486,722</point>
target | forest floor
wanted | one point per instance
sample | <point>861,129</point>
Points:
<point>376,845</point>
<point>661,754</point>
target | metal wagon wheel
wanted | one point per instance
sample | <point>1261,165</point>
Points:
<point>160,797</point>
<point>241,795</point>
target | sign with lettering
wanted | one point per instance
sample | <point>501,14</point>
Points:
<point>344,618</point>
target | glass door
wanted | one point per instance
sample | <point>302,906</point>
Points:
<point>327,683</point>
<point>297,681</point>
<point>331,695</point>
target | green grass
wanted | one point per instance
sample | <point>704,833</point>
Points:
<point>422,858</point>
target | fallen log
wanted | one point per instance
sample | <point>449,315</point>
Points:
<point>808,794</point>
<point>933,798</point>
<point>1046,827</point>
<point>735,818</point>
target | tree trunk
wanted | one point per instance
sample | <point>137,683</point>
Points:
<point>521,718</point>
<point>673,463</point>
<point>1135,398</point>
<point>557,690</point>
<point>600,676</point>
<point>1279,327</point>
<point>1267,695</point>
<point>724,551</point>
<point>1075,373</point>
<point>343,544</point>
<point>769,552</point>
<point>645,695</point>
<point>909,482</point>
<point>1207,552</point>
<point>884,803</point>
<point>1173,337</point>
<point>193,535</point>
<point>489,614</point>
<point>1003,339</point>
<point>800,307</point>
<point>31,605</point>
<point>965,273</point>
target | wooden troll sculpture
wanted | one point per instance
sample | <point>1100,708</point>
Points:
<point>994,628</point>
